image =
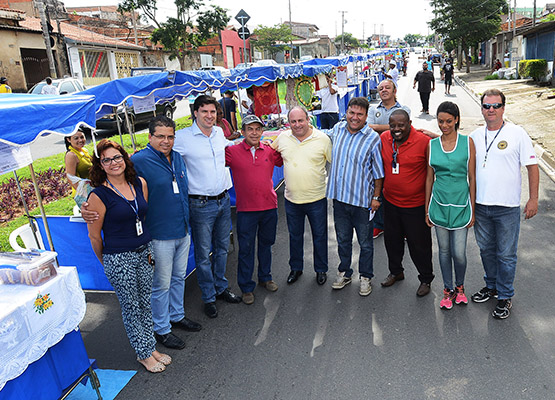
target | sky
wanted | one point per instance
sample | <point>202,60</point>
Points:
<point>362,18</point>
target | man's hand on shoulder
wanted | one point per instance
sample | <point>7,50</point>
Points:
<point>88,216</point>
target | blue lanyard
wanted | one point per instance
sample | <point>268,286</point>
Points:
<point>136,208</point>
<point>170,167</point>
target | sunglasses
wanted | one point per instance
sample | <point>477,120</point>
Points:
<point>496,106</point>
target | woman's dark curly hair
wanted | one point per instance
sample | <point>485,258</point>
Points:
<point>97,174</point>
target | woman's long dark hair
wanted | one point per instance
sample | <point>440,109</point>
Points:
<point>97,174</point>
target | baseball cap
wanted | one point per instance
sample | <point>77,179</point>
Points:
<point>251,119</point>
<point>3,79</point>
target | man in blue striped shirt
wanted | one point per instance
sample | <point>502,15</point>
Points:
<point>354,185</point>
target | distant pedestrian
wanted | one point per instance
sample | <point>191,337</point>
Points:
<point>448,73</point>
<point>4,88</point>
<point>229,107</point>
<point>393,72</point>
<point>330,108</point>
<point>49,88</point>
<point>450,196</point>
<point>501,149</point>
<point>426,85</point>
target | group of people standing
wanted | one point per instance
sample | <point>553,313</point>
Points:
<point>149,206</point>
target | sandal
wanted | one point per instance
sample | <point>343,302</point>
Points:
<point>158,367</point>
<point>163,358</point>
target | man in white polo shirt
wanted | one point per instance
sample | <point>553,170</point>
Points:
<point>501,149</point>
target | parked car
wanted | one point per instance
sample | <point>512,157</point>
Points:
<point>244,65</point>
<point>265,63</point>
<point>305,58</point>
<point>212,68</point>
<point>109,120</point>
<point>64,85</point>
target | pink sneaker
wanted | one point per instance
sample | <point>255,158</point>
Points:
<point>447,301</point>
<point>461,297</point>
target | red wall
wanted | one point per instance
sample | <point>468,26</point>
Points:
<point>230,38</point>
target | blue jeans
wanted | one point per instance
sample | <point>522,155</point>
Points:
<point>317,213</point>
<point>348,218</point>
<point>496,231</point>
<point>249,224</point>
<point>210,227</point>
<point>452,253</point>
<point>168,286</point>
<point>328,120</point>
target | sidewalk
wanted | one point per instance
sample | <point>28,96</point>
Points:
<point>527,105</point>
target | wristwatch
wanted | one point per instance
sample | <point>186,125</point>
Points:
<point>377,198</point>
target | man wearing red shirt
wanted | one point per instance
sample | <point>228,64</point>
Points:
<point>252,164</point>
<point>405,155</point>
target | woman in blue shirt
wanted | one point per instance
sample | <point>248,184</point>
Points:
<point>119,198</point>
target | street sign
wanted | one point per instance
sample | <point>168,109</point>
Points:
<point>244,32</point>
<point>242,17</point>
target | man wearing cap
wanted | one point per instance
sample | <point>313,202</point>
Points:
<point>393,72</point>
<point>4,88</point>
<point>252,164</point>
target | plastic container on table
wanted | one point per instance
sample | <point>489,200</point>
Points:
<point>28,268</point>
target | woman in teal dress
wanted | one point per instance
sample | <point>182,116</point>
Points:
<point>450,197</point>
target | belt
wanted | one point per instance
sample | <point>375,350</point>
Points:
<point>140,249</point>
<point>202,197</point>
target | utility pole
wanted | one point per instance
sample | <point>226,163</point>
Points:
<point>534,16</point>
<point>134,20</point>
<point>342,31</point>
<point>44,24</point>
<point>514,22</point>
<point>291,40</point>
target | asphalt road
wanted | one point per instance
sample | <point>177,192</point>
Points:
<point>309,342</point>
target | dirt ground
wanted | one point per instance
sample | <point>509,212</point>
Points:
<point>527,105</point>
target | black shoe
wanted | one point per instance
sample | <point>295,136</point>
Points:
<point>170,341</point>
<point>293,276</point>
<point>229,296</point>
<point>211,310</point>
<point>484,295</point>
<point>321,278</point>
<point>187,325</point>
<point>503,309</point>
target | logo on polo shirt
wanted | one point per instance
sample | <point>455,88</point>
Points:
<point>502,145</point>
<point>378,114</point>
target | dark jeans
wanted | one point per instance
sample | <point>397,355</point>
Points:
<point>328,120</point>
<point>251,224</point>
<point>317,213</point>
<point>409,223</point>
<point>425,99</point>
<point>348,218</point>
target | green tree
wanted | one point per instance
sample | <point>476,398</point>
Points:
<point>467,22</point>
<point>193,25</point>
<point>413,39</point>
<point>349,41</point>
<point>273,39</point>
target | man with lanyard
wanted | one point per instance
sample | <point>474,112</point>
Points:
<point>167,220</point>
<point>501,149</point>
<point>305,152</point>
<point>355,185</point>
<point>330,108</point>
<point>252,164</point>
<point>4,88</point>
<point>404,151</point>
<point>202,147</point>
<point>378,119</point>
<point>426,85</point>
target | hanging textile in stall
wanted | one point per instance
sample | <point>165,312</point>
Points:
<point>266,99</point>
<point>304,91</point>
<point>290,100</point>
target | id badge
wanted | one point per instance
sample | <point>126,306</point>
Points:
<point>139,227</point>
<point>175,187</point>
<point>395,170</point>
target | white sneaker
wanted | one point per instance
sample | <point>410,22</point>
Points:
<point>365,286</point>
<point>341,281</point>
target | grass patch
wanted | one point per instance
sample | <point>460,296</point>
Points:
<point>491,77</point>
<point>62,206</point>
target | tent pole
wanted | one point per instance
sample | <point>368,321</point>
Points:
<point>31,224</point>
<point>279,105</point>
<point>42,212</point>
<point>240,105</point>
<point>118,125</point>
<point>130,129</point>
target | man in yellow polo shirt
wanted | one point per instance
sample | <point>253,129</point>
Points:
<point>4,88</point>
<point>305,152</point>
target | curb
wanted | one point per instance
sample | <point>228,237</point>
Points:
<point>546,160</point>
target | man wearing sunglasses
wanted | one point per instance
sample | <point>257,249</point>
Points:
<point>501,149</point>
<point>404,153</point>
